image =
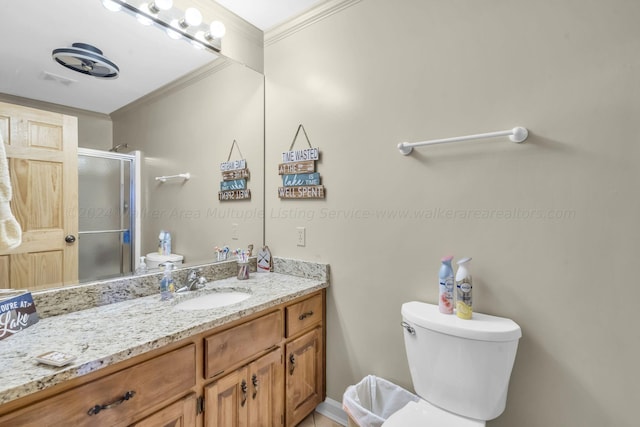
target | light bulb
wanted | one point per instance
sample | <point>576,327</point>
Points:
<point>141,18</point>
<point>217,29</point>
<point>111,5</point>
<point>192,17</point>
<point>158,5</point>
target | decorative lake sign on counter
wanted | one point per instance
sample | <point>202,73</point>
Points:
<point>234,178</point>
<point>298,170</point>
<point>16,314</point>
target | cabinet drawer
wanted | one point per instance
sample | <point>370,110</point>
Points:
<point>236,345</point>
<point>147,384</point>
<point>303,314</point>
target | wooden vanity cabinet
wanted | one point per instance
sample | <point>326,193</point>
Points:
<point>251,396</point>
<point>305,358</point>
<point>263,371</point>
<point>289,385</point>
<point>118,399</point>
<point>179,414</point>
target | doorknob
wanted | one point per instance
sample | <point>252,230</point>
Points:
<point>70,238</point>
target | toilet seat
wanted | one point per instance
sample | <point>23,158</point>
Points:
<point>424,414</point>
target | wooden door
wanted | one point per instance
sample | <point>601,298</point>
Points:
<point>266,390</point>
<point>304,373</point>
<point>41,149</point>
<point>226,401</point>
<point>179,414</point>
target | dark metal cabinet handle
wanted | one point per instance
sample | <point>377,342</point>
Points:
<point>96,409</point>
<point>70,238</point>
<point>254,381</point>
<point>292,363</point>
<point>305,315</point>
<point>243,387</point>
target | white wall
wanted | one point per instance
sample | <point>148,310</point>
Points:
<point>381,72</point>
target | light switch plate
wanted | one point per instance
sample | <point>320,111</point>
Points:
<point>300,236</point>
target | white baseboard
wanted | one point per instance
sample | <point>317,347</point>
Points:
<point>333,410</point>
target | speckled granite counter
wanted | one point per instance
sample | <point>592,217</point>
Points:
<point>108,334</point>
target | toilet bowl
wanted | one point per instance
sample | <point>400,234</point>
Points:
<point>154,259</point>
<point>460,369</point>
<point>424,414</point>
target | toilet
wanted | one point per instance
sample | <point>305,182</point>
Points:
<point>154,259</point>
<point>460,368</point>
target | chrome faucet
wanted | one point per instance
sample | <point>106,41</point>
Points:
<point>195,280</point>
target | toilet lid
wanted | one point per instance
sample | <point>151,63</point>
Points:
<point>424,414</point>
<point>156,257</point>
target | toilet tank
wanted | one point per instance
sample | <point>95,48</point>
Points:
<point>462,366</point>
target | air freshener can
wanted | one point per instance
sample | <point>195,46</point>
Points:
<point>446,285</point>
<point>464,288</point>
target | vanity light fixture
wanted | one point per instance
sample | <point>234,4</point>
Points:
<point>177,24</point>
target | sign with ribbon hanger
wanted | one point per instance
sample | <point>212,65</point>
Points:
<point>298,170</point>
<point>234,178</point>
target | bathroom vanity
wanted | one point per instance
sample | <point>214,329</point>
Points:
<point>145,362</point>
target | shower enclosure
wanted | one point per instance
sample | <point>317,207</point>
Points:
<point>106,213</point>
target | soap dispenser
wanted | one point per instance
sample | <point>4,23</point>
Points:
<point>142,266</point>
<point>167,286</point>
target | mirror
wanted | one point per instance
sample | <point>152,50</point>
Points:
<point>182,126</point>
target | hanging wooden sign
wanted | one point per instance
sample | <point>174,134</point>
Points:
<point>233,165</point>
<point>301,179</point>
<point>224,196</point>
<point>234,178</point>
<point>236,184</point>
<point>235,174</point>
<point>300,155</point>
<point>302,192</point>
<point>298,169</point>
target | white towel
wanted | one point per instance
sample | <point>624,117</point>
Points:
<point>10,231</point>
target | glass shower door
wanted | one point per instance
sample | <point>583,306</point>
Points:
<point>105,222</point>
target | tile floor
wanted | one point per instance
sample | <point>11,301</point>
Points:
<point>317,420</point>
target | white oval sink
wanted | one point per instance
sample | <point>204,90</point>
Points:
<point>213,300</point>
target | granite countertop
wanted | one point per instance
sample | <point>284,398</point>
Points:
<point>102,336</point>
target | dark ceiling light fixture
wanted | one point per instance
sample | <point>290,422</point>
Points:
<point>86,59</point>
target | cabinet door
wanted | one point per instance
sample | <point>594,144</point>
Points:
<point>266,388</point>
<point>226,401</point>
<point>179,414</point>
<point>305,374</point>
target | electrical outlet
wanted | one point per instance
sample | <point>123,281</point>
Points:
<point>300,236</point>
<point>234,232</point>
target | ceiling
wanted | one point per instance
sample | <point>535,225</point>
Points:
<point>148,60</point>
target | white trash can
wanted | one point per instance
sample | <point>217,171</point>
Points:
<point>370,402</point>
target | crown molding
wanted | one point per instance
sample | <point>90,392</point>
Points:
<point>305,19</point>
<point>215,66</point>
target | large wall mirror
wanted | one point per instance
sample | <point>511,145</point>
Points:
<point>178,107</point>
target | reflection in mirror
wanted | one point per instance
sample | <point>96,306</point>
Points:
<point>107,227</point>
<point>185,124</point>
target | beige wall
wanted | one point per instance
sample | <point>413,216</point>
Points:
<point>95,130</point>
<point>382,72</point>
<point>190,128</point>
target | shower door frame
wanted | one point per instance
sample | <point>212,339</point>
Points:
<point>134,188</point>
